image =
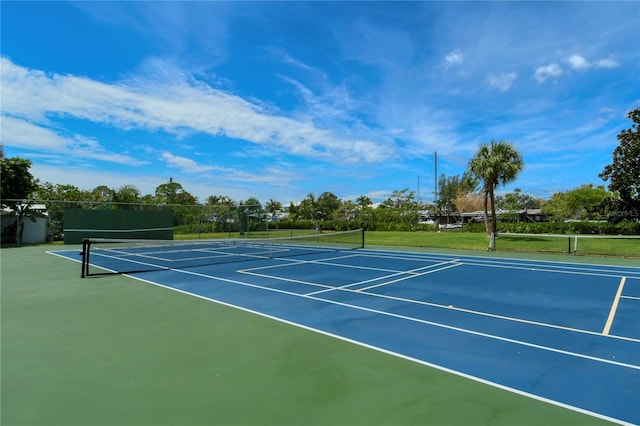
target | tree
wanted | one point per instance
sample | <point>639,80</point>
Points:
<point>218,213</point>
<point>308,209</point>
<point>180,202</point>
<point>517,200</point>
<point>624,173</point>
<point>496,163</point>
<point>316,209</point>
<point>173,193</point>
<point>127,194</point>
<point>451,188</point>
<point>469,202</point>
<point>347,212</point>
<point>582,203</point>
<point>58,198</point>
<point>293,210</point>
<point>17,185</point>
<point>16,182</point>
<point>363,202</point>
<point>248,210</point>
<point>402,199</point>
<point>102,194</point>
<point>216,200</point>
<point>70,194</point>
<point>400,211</point>
<point>272,207</point>
<point>328,204</point>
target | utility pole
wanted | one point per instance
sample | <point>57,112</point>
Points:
<point>435,192</point>
<point>435,165</point>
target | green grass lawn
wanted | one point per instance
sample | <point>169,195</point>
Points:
<point>450,240</point>
<point>617,247</point>
<point>609,247</point>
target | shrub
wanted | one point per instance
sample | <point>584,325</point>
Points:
<point>584,227</point>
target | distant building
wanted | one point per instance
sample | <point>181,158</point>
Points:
<point>523,215</point>
<point>34,224</point>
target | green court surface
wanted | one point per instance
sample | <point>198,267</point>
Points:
<point>117,351</point>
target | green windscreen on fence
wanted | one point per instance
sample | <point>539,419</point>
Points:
<point>84,223</point>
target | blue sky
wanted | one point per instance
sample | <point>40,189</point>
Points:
<point>276,100</point>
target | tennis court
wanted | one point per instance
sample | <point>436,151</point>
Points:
<point>563,333</point>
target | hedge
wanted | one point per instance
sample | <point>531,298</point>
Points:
<point>599,228</point>
<point>585,227</point>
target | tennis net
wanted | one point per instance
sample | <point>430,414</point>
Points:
<point>576,244</point>
<point>103,256</point>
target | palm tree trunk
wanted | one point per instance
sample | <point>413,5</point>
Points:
<point>494,220</point>
<point>486,213</point>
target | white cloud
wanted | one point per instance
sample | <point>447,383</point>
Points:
<point>173,102</point>
<point>24,134</point>
<point>503,81</point>
<point>185,164</point>
<point>453,58</point>
<point>579,63</point>
<point>606,63</point>
<point>272,175</point>
<point>548,71</point>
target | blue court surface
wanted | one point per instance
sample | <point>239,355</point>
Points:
<point>564,333</point>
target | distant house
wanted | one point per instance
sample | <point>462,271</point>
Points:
<point>523,215</point>
<point>34,224</point>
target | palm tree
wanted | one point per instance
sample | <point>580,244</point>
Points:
<point>363,202</point>
<point>496,163</point>
<point>272,207</point>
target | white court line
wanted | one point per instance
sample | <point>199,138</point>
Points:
<point>630,297</point>
<point>329,288</point>
<point>545,266</point>
<point>332,288</point>
<point>490,315</point>
<point>507,263</point>
<point>521,264</point>
<point>484,264</point>
<point>407,257</point>
<point>621,270</point>
<point>419,320</point>
<point>382,350</point>
<point>325,287</point>
<point>430,271</point>
<point>289,280</point>
<point>291,261</point>
<point>408,274</point>
<point>538,269</point>
<point>386,351</point>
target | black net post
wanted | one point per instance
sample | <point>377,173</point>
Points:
<point>86,244</point>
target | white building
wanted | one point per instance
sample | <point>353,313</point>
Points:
<point>34,224</point>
